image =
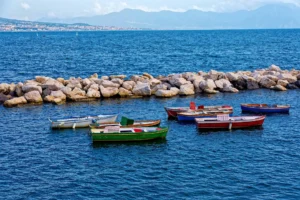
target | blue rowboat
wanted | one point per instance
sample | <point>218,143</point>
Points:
<point>191,116</point>
<point>265,108</point>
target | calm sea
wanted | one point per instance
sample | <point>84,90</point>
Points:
<point>38,163</point>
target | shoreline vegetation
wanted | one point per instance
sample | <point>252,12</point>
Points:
<point>58,91</point>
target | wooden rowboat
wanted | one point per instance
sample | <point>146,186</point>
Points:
<point>173,111</point>
<point>265,108</point>
<point>81,122</point>
<point>138,123</point>
<point>226,122</point>
<point>192,115</point>
<point>117,134</point>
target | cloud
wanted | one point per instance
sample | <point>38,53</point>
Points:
<point>25,6</point>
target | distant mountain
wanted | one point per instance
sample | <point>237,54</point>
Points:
<point>268,16</point>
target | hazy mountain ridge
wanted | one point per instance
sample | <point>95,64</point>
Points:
<point>269,16</point>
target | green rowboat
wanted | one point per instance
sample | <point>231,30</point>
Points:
<point>117,134</point>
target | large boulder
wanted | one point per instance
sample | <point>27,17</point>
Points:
<point>67,91</point>
<point>74,83</point>
<point>77,94</point>
<point>267,82</point>
<point>107,83</point>
<point>232,76</point>
<point>86,82</point>
<point>28,88</point>
<point>159,87</point>
<point>41,79</point>
<point>142,89</point>
<point>252,84</point>
<point>93,93</point>
<point>288,77</point>
<point>15,101</point>
<point>221,83</point>
<point>186,90</point>
<point>52,84</point>
<point>213,74</point>
<point>33,97</point>
<point>167,93</point>
<point>278,88</point>
<point>179,82</point>
<point>58,94</point>
<point>117,81</point>
<point>196,83</point>
<point>283,83</point>
<point>4,88</point>
<point>153,82</point>
<point>274,68</point>
<point>108,91</point>
<point>128,85</point>
<point>124,93</point>
<point>241,84</point>
<point>208,84</point>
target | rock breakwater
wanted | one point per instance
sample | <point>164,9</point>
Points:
<point>49,90</point>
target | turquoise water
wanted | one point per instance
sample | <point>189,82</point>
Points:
<point>38,163</point>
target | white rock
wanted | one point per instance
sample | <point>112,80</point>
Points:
<point>86,82</point>
<point>124,93</point>
<point>186,90</point>
<point>288,77</point>
<point>94,86</point>
<point>109,91</point>
<point>15,101</point>
<point>58,94</point>
<point>179,82</point>
<point>220,83</point>
<point>208,84</point>
<point>117,81</point>
<point>4,87</point>
<point>52,84</point>
<point>283,83</point>
<point>107,83</point>
<point>142,89</point>
<point>93,93</point>
<point>232,76</point>
<point>167,93</point>
<point>266,82</point>
<point>67,91</point>
<point>128,85</point>
<point>41,79</point>
<point>274,68</point>
<point>33,97</point>
<point>252,84</point>
<point>29,88</point>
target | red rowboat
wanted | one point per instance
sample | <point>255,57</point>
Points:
<point>173,111</point>
<point>226,122</point>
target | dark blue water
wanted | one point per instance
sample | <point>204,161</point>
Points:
<point>38,163</point>
<point>24,55</point>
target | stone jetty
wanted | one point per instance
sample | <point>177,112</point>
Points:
<point>49,90</point>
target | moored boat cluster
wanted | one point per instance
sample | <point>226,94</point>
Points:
<point>47,89</point>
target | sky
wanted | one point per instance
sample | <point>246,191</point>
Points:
<point>37,9</point>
